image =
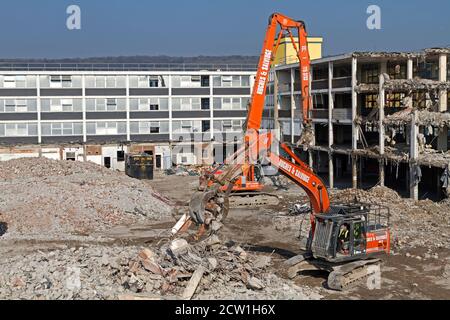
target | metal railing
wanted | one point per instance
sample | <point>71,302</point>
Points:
<point>36,66</point>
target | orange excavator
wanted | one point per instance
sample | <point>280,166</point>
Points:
<point>247,189</point>
<point>344,238</point>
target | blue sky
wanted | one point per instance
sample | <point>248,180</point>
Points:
<point>37,29</point>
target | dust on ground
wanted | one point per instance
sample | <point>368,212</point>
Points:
<point>112,260</point>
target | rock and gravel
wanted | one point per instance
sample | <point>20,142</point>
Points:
<point>413,223</point>
<point>59,198</point>
<point>109,272</point>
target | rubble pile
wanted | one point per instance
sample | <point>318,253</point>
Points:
<point>174,271</point>
<point>181,170</point>
<point>413,223</point>
<point>208,269</point>
<point>424,118</point>
<point>416,84</point>
<point>49,198</point>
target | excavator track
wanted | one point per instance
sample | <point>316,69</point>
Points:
<point>340,277</point>
<point>351,274</point>
<point>252,199</point>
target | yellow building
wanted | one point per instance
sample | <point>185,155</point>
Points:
<point>286,53</point>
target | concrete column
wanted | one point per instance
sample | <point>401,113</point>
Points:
<point>354,172</point>
<point>354,104</point>
<point>310,158</point>
<point>381,102</point>
<point>354,127</point>
<point>211,108</point>
<point>330,124</point>
<point>409,69</point>
<point>83,85</point>
<point>443,135</point>
<point>443,78</point>
<point>38,109</point>
<point>128,107</point>
<point>276,124</point>
<point>292,105</point>
<point>414,152</point>
<point>170,110</point>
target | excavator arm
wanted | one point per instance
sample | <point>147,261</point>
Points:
<point>270,47</point>
<point>211,204</point>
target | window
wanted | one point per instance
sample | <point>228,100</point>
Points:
<point>9,82</point>
<point>370,73</point>
<point>154,127</point>
<point>110,82</point>
<point>61,105</point>
<point>230,103</point>
<point>419,100</point>
<point>62,128</point>
<point>205,103</point>
<point>196,104</point>
<point>120,155</point>
<point>227,125</point>
<point>18,105</point>
<point>227,81</point>
<point>109,104</point>
<point>18,129</point>
<point>396,70</point>
<point>154,104</point>
<point>205,81</point>
<point>187,104</point>
<point>206,125</point>
<point>231,81</point>
<point>217,81</point>
<point>245,81</point>
<point>187,126</point>
<point>371,100</point>
<point>320,74</point>
<point>18,81</point>
<point>153,81</point>
<point>105,81</point>
<point>149,127</point>
<point>394,100</point>
<point>106,128</point>
<point>426,70</point>
<point>57,81</point>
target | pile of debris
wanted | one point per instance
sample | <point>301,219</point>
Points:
<point>209,269</point>
<point>413,223</point>
<point>177,270</point>
<point>48,198</point>
<point>424,118</point>
<point>181,170</point>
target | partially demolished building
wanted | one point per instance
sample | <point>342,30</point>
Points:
<point>378,118</point>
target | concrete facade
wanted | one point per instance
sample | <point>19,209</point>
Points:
<point>113,107</point>
<point>372,129</point>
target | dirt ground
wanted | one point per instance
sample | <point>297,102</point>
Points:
<point>36,268</point>
<point>416,272</point>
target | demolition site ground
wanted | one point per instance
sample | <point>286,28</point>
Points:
<point>80,231</point>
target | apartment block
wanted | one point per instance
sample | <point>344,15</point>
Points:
<point>379,118</point>
<point>97,112</point>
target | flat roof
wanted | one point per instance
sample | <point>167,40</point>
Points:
<point>101,66</point>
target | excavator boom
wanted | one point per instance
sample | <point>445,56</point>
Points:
<point>270,47</point>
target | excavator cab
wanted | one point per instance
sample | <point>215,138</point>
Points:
<point>351,232</point>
